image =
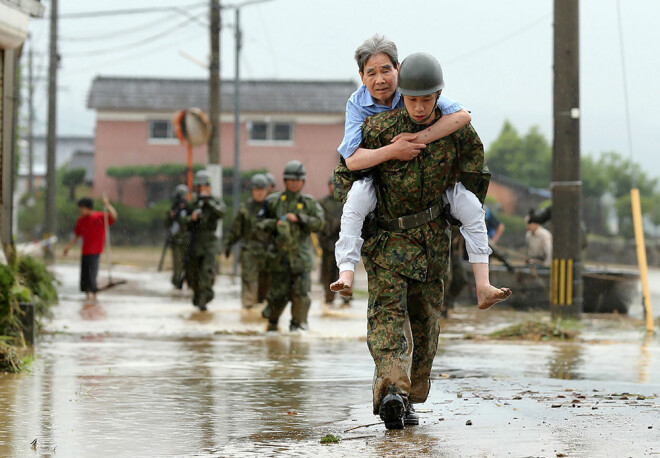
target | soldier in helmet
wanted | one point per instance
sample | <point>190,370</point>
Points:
<point>289,217</point>
<point>179,239</point>
<point>328,236</point>
<point>407,256</point>
<point>202,223</point>
<point>253,247</point>
<point>271,182</point>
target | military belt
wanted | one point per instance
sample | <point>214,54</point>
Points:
<point>403,223</point>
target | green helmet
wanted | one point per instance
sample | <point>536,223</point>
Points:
<point>294,170</point>
<point>202,177</point>
<point>271,179</point>
<point>420,74</point>
<point>180,192</point>
<point>258,181</point>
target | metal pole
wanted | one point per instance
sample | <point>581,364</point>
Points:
<point>214,84</point>
<point>51,151</point>
<point>566,270</point>
<point>237,125</point>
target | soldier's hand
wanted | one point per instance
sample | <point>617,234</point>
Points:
<point>195,215</point>
<point>292,217</point>
<point>405,150</point>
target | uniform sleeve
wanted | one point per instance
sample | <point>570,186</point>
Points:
<point>448,106</point>
<point>472,170</point>
<point>235,230</point>
<point>218,208</point>
<point>268,221</point>
<point>312,218</point>
<point>352,130</point>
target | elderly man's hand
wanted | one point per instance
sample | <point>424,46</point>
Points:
<point>404,147</point>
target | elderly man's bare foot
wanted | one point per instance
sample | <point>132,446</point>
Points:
<point>489,296</point>
<point>344,285</point>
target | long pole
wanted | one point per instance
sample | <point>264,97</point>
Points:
<point>237,125</point>
<point>51,151</point>
<point>30,132</point>
<point>214,167</point>
<point>566,270</point>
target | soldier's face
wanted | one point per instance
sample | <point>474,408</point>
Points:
<point>420,107</point>
<point>259,194</point>
<point>205,190</point>
<point>380,77</point>
<point>294,185</point>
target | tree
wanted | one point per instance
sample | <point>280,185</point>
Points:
<point>71,179</point>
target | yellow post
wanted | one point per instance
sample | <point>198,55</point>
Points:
<point>641,255</point>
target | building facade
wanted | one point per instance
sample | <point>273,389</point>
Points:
<point>279,121</point>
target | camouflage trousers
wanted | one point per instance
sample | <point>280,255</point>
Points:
<point>254,278</point>
<point>200,275</point>
<point>287,286</point>
<point>402,334</point>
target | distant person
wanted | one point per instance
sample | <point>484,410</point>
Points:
<point>494,226</point>
<point>328,236</point>
<point>271,182</point>
<point>179,238</point>
<point>253,244</point>
<point>538,241</point>
<point>202,222</point>
<point>90,226</point>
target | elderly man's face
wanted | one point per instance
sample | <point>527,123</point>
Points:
<point>380,78</point>
<point>421,107</point>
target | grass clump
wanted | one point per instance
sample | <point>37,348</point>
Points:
<point>330,439</point>
<point>539,330</point>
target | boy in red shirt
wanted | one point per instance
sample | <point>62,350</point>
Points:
<point>91,228</point>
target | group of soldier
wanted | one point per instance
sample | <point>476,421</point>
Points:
<point>273,231</point>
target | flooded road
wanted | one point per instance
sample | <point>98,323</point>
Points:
<point>141,373</point>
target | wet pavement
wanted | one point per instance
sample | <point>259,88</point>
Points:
<point>140,373</point>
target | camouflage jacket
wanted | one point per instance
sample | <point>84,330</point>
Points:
<point>202,230</point>
<point>329,234</point>
<point>409,187</point>
<point>290,246</point>
<point>244,227</point>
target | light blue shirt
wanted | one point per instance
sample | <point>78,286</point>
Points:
<point>361,104</point>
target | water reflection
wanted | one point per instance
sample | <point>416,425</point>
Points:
<point>565,361</point>
<point>645,359</point>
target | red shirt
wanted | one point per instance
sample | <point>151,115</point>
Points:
<point>92,231</point>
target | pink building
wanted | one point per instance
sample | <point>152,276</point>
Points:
<point>280,121</point>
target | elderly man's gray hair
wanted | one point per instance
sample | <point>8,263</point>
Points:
<point>375,45</point>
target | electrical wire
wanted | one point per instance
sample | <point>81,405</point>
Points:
<point>625,92</point>
<point>499,40</point>
<point>134,44</point>
<point>115,33</point>
<point>92,14</point>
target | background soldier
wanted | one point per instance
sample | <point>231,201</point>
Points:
<point>202,224</point>
<point>178,238</point>
<point>271,182</point>
<point>253,248</point>
<point>328,236</point>
<point>290,217</point>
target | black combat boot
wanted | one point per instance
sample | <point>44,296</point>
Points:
<point>267,311</point>
<point>272,326</point>
<point>410,418</point>
<point>295,326</point>
<point>392,409</point>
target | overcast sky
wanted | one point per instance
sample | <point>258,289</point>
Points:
<point>496,55</point>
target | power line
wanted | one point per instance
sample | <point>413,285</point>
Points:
<point>134,44</point>
<point>115,33</point>
<point>500,40</point>
<point>122,12</point>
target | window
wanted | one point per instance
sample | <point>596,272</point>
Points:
<point>161,130</point>
<point>270,132</point>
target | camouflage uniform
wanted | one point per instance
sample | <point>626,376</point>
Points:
<point>290,253</point>
<point>406,267</point>
<point>328,236</point>
<point>200,272</point>
<point>179,240</point>
<point>253,251</point>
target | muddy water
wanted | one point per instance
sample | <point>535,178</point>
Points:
<point>141,374</point>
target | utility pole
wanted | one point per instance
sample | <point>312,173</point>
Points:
<point>30,123</point>
<point>51,143</point>
<point>566,270</point>
<point>214,167</point>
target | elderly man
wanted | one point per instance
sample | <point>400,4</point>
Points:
<point>406,258</point>
<point>538,241</point>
